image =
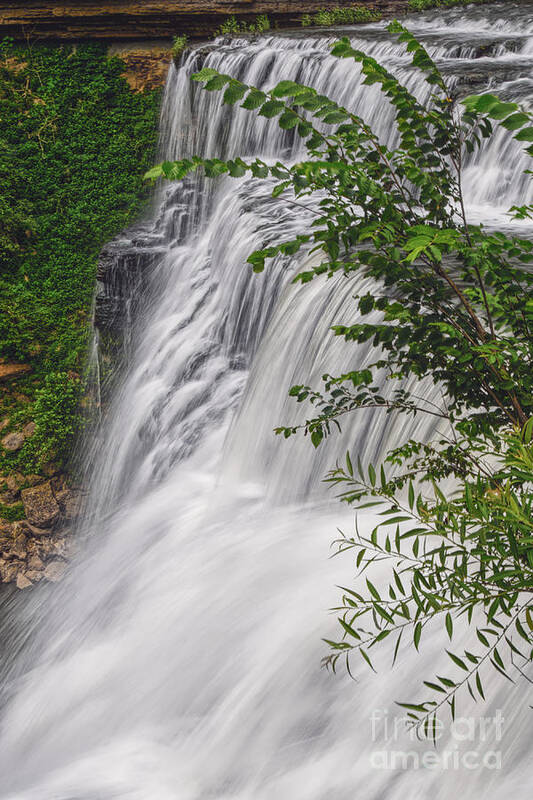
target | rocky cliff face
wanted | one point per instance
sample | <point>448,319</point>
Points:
<point>148,19</point>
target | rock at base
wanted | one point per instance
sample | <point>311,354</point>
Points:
<point>22,581</point>
<point>40,505</point>
<point>55,571</point>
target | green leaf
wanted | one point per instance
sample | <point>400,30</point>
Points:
<point>525,135</point>
<point>515,121</point>
<point>457,660</point>
<point>349,464</point>
<point>216,83</point>
<point>234,92</point>
<point>287,88</point>
<point>372,589</point>
<point>417,633</point>
<point>254,99</point>
<point>288,120</point>
<point>271,108</point>
<point>317,436</point>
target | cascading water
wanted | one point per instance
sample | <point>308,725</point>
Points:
<point>181,657</point>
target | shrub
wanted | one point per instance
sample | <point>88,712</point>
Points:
<point>56,416</point>
<point>341,15</point>
<point>178,46</point>
<point>232,26</point>
<point>424,5</point>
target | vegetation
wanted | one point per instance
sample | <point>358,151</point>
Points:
<point>178,45</point>
<point>452,300</point>
<point>232,26</point>
<point>72,135</point>
<point>11,512</point>
<point>423,5</point>
<point>341,15</point>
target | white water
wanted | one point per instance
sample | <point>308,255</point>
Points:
<point>181,658</point>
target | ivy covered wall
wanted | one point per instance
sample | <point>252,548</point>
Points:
<point>75,141</point>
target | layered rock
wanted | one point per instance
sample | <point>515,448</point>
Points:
<point>124,269</point>
<point>152,19</point>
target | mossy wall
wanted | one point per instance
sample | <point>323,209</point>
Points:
<point>75,141</point>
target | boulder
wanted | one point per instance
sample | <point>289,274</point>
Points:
<point>8,571</point>
<point>69,503</point>
<point>40,505</point>
<point>33,575</point>
<point>35,563</point>
<point>13,441</point>
<point>22,581</point>
<point>54,571</point>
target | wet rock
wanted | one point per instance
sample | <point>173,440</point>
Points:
<point>55,571</point>
<point>61,547</point>
<point>40,505</point>
<point>69,503</point>
<point>8,571</point>
<point>58,484</point>
<point>22,581</point>
<point>13,441</point>
<point>35,563</point>
<point>34,576</point>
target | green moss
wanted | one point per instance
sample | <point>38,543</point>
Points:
<point>12,513</point>
<point>344,15</point>
<point>74,143</point>
<point>178,46</point>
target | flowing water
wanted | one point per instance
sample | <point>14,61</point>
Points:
<point>180,659</point>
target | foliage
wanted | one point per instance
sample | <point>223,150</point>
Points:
<point>72,135</point>
<point>451,300</point>
<point>56,418</point>
<point>341,15</point>
<point>178,45</point>
<point>424,5</point>
<point>467,557</point>
<point>11,512</point>
<point>232,26</point>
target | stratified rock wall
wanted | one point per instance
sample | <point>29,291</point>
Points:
<point>151,19</point>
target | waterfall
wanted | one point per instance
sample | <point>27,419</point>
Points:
<point>181,656</point>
